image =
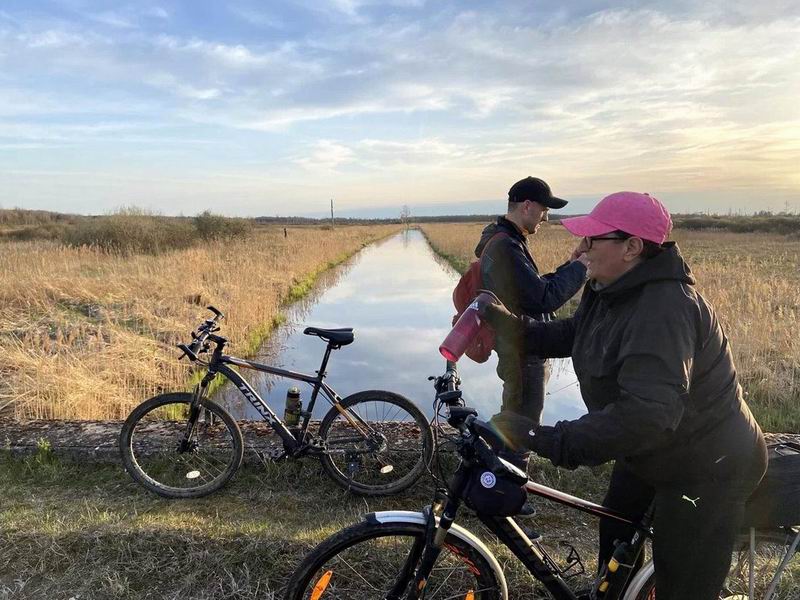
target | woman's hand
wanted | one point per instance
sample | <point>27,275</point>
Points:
<point>497,315</point>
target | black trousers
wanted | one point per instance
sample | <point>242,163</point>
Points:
<point>695,525</point>
<point>524,381</point>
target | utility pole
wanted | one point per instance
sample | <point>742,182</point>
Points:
<point>332,221</point>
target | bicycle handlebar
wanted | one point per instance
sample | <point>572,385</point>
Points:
<point>446,385</point>
<point>199,336</point>
<point>476,432</point>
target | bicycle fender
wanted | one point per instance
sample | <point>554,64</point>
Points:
<point>407,516</point>
<point>639,580</point>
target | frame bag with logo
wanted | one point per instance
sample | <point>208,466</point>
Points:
<point>489,494</point>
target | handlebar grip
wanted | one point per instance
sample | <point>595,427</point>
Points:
<point>219,314</point>
<point>451,397</point>
<point>461,417</point>
<point>485,431</point>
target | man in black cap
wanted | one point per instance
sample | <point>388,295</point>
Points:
<point>508,270</point>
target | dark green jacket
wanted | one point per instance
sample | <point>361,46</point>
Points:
<point>508,270</point>
<point>656,374</point>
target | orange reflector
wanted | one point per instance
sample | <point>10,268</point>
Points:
<point>322,584</point>
<point>470,595</point>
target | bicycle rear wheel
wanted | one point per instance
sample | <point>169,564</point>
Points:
<point>384,452</point>
<point>770,550</point>
<point>150,444</point>
<point>363,562</point>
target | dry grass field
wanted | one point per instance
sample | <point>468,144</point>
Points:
<point>87,334</point>
<point>753,281</point>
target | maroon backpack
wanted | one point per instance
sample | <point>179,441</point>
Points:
<point>465,291</point>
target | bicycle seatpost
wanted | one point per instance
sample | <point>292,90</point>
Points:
<point>330,347</point>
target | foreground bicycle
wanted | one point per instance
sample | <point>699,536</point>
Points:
<point>184,445</point>
<point>398,555</point>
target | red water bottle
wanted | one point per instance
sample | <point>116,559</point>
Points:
<point>465,329</point>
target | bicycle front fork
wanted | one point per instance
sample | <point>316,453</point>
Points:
<point>196,413</point>
<point>425,551</point>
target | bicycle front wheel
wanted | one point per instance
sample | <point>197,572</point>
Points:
<point>365,562</point>
<point>376,443</point>
<point>770,550</point>
<point>155,455</point>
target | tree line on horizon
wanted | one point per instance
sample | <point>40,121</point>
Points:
<point>140,230</point>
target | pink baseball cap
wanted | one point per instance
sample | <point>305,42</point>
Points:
<point>640,215</point>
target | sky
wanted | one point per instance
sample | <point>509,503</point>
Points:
<point>274,108</point>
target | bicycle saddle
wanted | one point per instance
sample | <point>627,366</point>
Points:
<point>337,337</point>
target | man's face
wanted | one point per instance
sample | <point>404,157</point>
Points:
<point>535,215</point>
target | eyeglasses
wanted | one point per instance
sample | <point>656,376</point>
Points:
<point>590,240</point>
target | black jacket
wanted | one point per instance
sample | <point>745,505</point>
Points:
<point>508,270</point>
<point>657,376</point>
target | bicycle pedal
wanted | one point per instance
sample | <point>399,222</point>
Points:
<point>272,454</point>
<point>311,447</point>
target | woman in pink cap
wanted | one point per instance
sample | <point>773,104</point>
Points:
<point>658,379</point>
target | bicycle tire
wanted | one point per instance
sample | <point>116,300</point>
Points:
<point>149,447</point>
<point>770,548</point>
<point>346,460</point>
<point>460,568</point>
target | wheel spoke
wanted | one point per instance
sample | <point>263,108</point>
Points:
<point>212,457</point>
<point>368,567</point>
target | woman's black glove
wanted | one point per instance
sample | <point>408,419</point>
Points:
<point>498,316</point>
<point>519,433</point>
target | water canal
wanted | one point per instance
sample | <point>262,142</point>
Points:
<point>396,294</point>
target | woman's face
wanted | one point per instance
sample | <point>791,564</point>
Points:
<point>608,259</point>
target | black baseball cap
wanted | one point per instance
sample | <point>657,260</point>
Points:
<point>533,188</point>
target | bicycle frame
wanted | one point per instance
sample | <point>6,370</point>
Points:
<point>614,579</point>
<point>538,562</point>
<point>218,364</point>
<point>507,530</point>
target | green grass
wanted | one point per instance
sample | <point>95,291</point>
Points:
<point>87,531</point>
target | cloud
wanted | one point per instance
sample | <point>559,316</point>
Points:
<point>258,17</point>
<point>326,155</point>
<point>170,83</point>
<point>54,39</point>
<point>114,19</point>
<point>156,12</point>
<point>678,95</point>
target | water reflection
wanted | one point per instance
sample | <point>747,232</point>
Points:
<point>397,297</point>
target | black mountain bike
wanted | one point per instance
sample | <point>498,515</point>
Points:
<point>396,555</point>
<point>184,445</point>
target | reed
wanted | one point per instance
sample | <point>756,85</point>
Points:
<point>751,279</point>
<point>88,334</point>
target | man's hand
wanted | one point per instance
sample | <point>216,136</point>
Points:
<point>579,253</point>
